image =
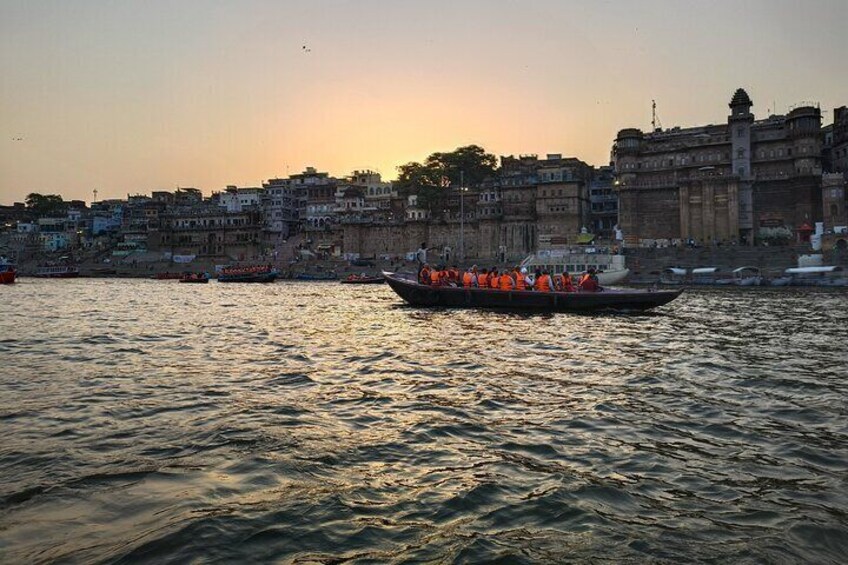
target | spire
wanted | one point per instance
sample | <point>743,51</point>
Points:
<point>740,98</point>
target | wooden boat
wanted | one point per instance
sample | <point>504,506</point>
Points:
<point>247,276</point>
<point>316,276</point>
<point>195,278</point>
<point>167,276</point>
<point>363,280</point>
<point>57,272</point>
<point>7,273</point>
<point>456,297</point>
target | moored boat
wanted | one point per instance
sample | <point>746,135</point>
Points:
<point>7,272</point>
<point>747,276</point>
<point>57,272</point>
<point>828,275</point>
<point>167,276</point>
<point>457,297</point>
<point>608,264</point>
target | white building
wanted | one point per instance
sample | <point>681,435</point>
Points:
<point>236,199</point>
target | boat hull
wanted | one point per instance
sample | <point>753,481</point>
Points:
<point>455,297</point>
<point>7,277</point>
<point>252,278</point>
<point>371,280</point>
<point>61,275</point>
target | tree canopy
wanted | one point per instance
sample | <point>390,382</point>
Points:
<point>470,165</point>
<point>46,204</point>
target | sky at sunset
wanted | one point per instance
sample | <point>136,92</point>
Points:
<point>134,96</point>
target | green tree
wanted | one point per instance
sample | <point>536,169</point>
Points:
<point>430,180</point>
<point>44,205</point>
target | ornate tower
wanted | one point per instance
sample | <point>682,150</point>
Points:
<point>739,124</point>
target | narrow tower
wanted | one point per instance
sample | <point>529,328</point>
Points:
<point>739,125</point>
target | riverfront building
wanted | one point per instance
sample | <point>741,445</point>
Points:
<point>721,183</point>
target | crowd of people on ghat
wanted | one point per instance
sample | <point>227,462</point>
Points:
<point>510,279</point>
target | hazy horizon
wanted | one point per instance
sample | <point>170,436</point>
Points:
<point>125,97</point>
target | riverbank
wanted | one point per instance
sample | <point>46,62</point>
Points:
<point>645,265</point>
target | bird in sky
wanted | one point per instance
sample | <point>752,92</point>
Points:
<point>306,49</point>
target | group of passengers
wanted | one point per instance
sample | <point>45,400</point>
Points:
<point>248,270</point>
<point>515,279</point>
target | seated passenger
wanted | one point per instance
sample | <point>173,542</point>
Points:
<point>505,281</point>
<point>543,282</point>
<point>566,284</point>
<point>589,282</point>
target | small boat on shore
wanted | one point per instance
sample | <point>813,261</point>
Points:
<point>195,278</point>
<point>418,294</point>
<point>353,279</point>
<point>263,274</point>
<point>7,272</point>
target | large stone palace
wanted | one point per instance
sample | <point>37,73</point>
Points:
<point>721,183</point>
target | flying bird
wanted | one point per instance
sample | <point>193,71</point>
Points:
<point>306,49</point>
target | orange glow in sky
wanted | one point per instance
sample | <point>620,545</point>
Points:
<point>134,97</point>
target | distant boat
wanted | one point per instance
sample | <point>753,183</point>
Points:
<point>812,276</point>
<point>248,274</point>
<point>418,294</point>
<point>194,278</point>
<point>353,279</point>
<point>747,276</point>
<point>7,272</point>
<point>330,276</point>
<point>57,272</point>
<point>610,266</point>
<point>167,276</point>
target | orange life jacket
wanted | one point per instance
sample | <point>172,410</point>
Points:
<point>588,283</point>
<point>543,283</point>
<point>425,276</point>
<point>567,285</point>
<point>483,280</point>
<point>453,275</point>
<point>520,283</point>
<point>467,279</point>
<point>506,282</point>
<point>493,280</point>
<point>435,277</point>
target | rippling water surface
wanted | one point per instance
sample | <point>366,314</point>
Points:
<point>316,422</point>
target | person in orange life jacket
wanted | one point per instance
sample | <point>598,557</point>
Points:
<point>454,275</point>
<point>505,281</point>
<point>543,282</point>
<point>424,274</point>
<point>483,278</point>
<point>436,276</point>
<point>522,281</point>
<point>566,284</point>
<point>589,282</point>
<point>469,278</point>
<point>494,278</point>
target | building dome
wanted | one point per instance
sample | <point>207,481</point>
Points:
<point>741,98</point>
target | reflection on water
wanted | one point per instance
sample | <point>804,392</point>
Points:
<point>322,422</point>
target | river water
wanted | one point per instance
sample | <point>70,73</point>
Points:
<point>149,421</point>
